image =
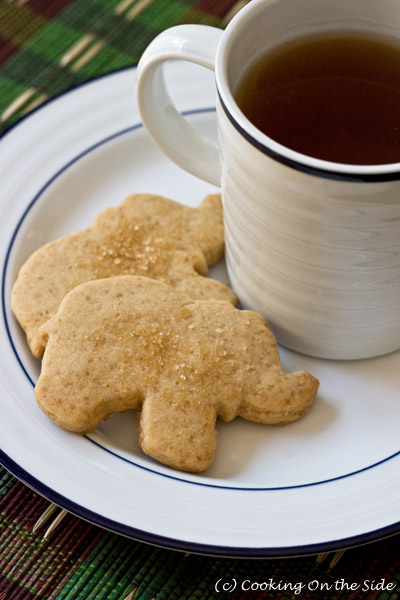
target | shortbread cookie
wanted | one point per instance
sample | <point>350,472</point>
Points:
<point>132,342</point>
<point>145,235</point>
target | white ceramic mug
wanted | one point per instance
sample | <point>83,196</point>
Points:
<point>313,245</point>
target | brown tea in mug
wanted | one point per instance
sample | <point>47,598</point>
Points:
<point>333,96</point>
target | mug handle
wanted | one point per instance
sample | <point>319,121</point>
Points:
<point>182,142</point>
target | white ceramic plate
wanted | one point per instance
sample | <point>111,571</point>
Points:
<point>328,481</point>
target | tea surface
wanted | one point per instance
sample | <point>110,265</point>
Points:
<point>334,96</point>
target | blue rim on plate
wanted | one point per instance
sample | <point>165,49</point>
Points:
<point>129,531</point>
<point>175,544</point>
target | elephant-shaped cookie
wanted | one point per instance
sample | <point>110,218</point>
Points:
<point>145,235</point>
<point>132,342</point>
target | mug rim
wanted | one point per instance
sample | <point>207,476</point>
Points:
<point>267,145</point>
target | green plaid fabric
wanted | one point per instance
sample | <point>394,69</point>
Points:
<point>47,47</point>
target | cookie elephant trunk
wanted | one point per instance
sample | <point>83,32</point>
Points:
<point>281,398</point>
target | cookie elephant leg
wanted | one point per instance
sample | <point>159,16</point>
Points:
<point>186,276</point>
<point>178,430</point>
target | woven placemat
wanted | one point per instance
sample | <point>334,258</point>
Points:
<point>79,561</point>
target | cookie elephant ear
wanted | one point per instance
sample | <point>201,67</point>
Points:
<point>178,429</point>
